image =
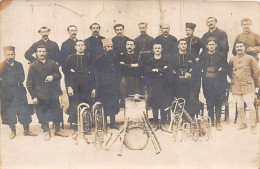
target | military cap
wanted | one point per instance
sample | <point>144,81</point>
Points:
<point>191,25</point>
<point>107,41</point>
<point>9,48</point>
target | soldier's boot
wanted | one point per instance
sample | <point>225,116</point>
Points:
<point>13,131</point>
<point>27,132</point>
<point>47,133</point>
<point>59,132</point>
<point>163,120</point>
<point>112,122</point>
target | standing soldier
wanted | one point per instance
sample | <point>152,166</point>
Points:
<point>169,42</point>
<point>194,44</point>
<point>158,69</point>
<point>244,71</point>
<point>220,35</point>
<point>51,46</point>
<point>107,81</point>
<point>214,66</point>
<point>144,42</point>
<point>119,41</point>
<point>43,84</point>
<point>68,46</point>
<point>183,70</point>
<point>94,43</point>
<point>79,80</point>
<point>13,94</point>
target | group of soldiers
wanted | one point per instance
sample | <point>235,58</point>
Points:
<point>109,70</point>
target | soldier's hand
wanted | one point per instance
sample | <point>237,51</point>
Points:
<point>35,100</point>
<point>134,65</point>
<point>70,91</point>
<point>49,78</point>
<point>197,59</point>
<point>155,70</point>
<point>93,93</point>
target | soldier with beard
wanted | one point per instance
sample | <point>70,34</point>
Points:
<point>13,94</point>
<point>108,81</point>
<point>94,43</point>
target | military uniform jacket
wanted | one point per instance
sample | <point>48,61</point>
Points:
<point>79,71</point>
<point>53,51</point>
<point>124,62</point>
<point>244,71</point>
<point>67,48</point>
<point>169,44</point>
<point>144,43</point>
<point>222,41</point>
<point>94,46</point>
<point>194,44</point>
<point>119,44</point>
<point>36,84</point>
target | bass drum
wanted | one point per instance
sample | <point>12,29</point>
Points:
<point>136,138</point>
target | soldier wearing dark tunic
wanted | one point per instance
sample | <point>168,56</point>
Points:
<point>169,42</point>
<point>108,81</point>
<point>144,42</point>
<point>158,70</point>
<point>130,71</point>
<point>220,35</point>
<point>119,41</point>
<point>14,102</point>
<point>68,46</point>
<point>194,45</point>
<point>52,47</point>
<point>94,44</point>
<point>214,67</point>
<point>183,70</point>
<point>79,80</point>
<point>43,84</point>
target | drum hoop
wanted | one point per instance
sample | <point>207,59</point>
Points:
<point>141,148</point>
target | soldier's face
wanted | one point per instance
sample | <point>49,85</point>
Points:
<point>165,29</point>
<point>41,53</point>
<point>80,47</point>
<point>10,56</point>
<point>182,45</point>
<point>130,46</point>
<point>157,49</point>
<point>189,31</point>
<point>143,28</point>
<point>108,47</point>
<point>73,32</point>
<point>45,33</point>
<point>119,31</point>
<point>246,25</point>
<point>211,46</point>
<point>240,48</point>
<point>95,30</point>
<point>211,23</point>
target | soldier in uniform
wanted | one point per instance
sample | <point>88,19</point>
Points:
<point>68,46</point>
<point>130,71</point>
<point>214,66</point>
<point>158,69</point>
<point>220,35</point>
<point>14,102</point>
<point>52,47</point>
<point>43,84</point>
<point>169,42</point>
<point>79,80</point>
<point>119,41</point>
<point>94,43</point>
<point>108,81</point>
<point>194,44</point>
<point>244,71</point>
<point>183,70</point>
<point>144,42</point>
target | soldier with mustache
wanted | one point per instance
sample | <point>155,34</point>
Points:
<point>220,35</point>
<point>68,46</point>
<point>119,41</point>
<point>52,47</point>
<point>94,43</point>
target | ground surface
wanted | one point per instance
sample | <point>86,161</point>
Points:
<point>228,149</point>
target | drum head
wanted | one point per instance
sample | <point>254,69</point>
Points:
<point>136,138</point>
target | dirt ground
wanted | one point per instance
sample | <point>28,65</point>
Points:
<point>227,149</point>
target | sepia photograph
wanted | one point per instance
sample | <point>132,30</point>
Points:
<point>129,84</point>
